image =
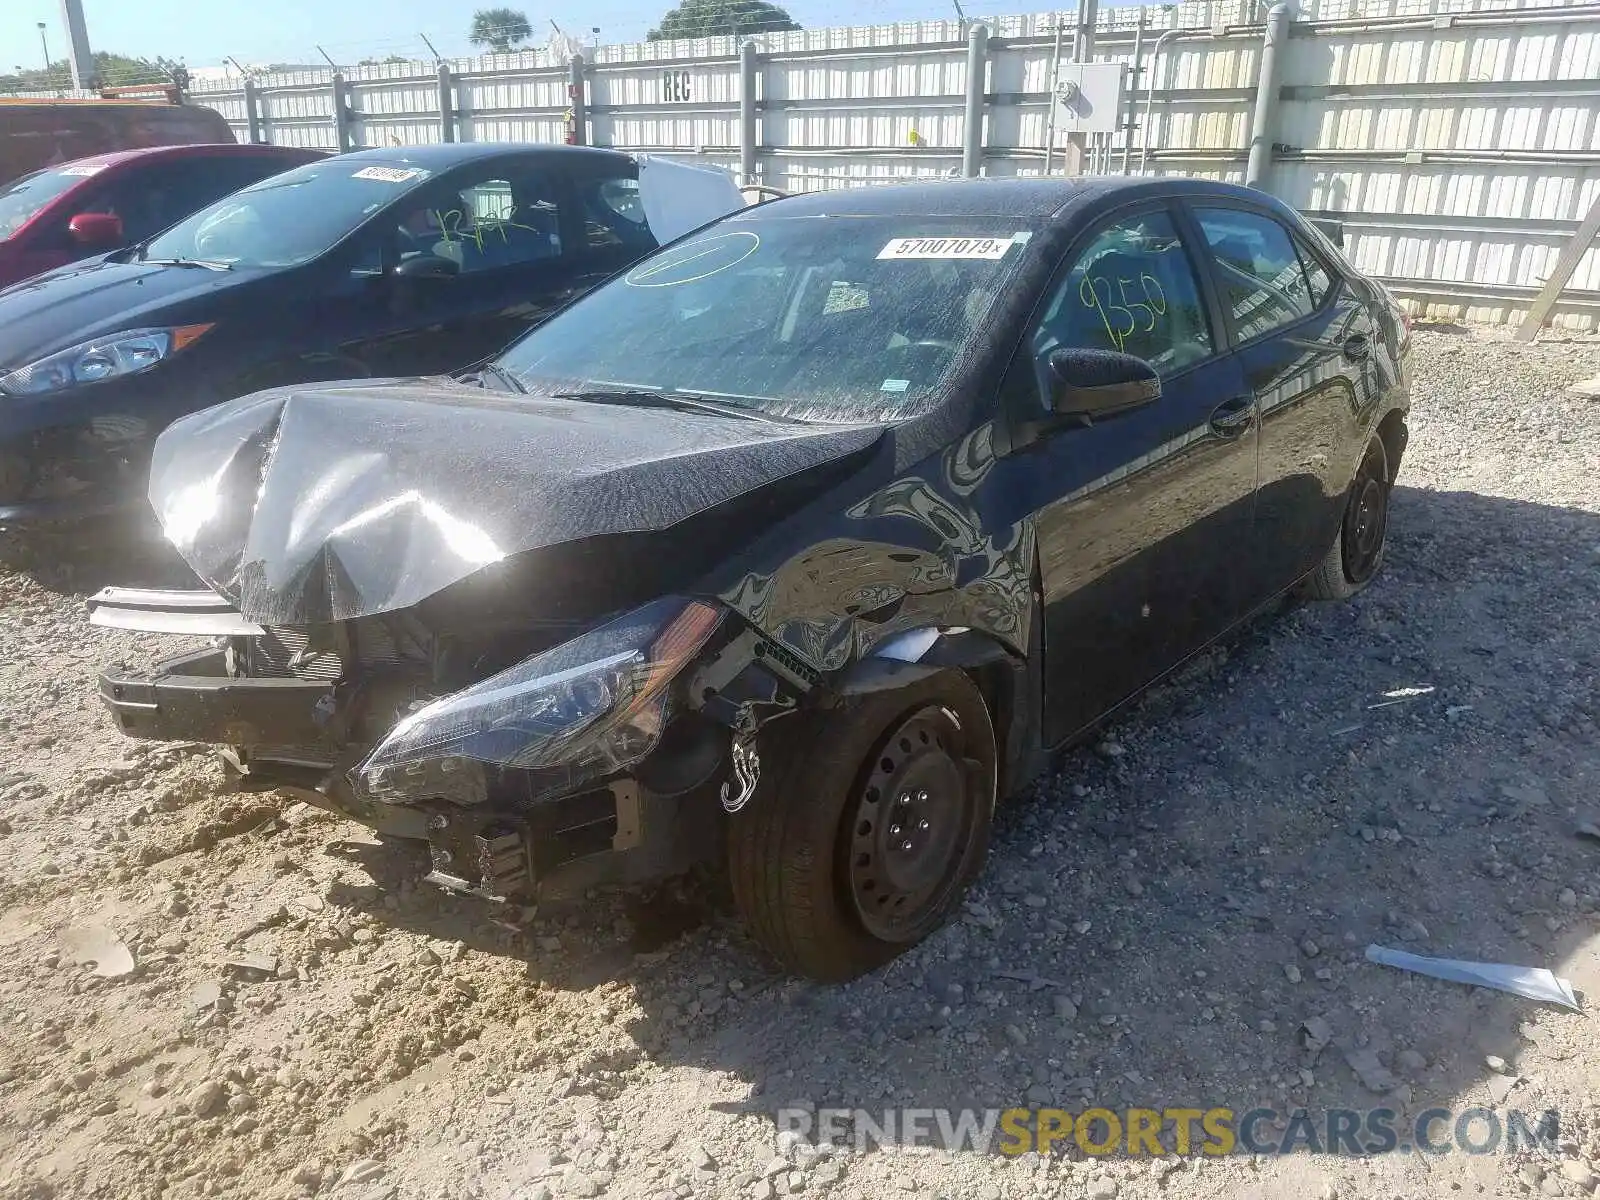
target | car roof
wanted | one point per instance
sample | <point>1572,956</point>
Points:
<point>443,156</point>
<point>114,158</point>
<point>1051,197</point>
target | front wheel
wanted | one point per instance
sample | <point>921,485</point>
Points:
<point>867,827</point>
<point>1357,553</point>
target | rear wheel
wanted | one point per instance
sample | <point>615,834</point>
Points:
<point>1357,553</point>
<point>868,825</point>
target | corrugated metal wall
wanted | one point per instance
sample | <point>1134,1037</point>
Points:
<point>1459,140</point>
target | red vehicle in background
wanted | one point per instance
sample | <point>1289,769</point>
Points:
<point>95,205</point>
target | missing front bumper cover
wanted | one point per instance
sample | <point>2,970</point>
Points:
<point>193,698</point>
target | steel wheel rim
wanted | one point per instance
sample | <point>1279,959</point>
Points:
<point>909,827</point>
<point>1366,524</point>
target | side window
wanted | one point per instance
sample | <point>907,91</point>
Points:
<point>613,216</point>
<point>122,197</point>
<point>1259,272</point>
<point>1316,275</point>
<point>151,198</point>
<point>484,223</point>
<point>1133,289</point>
<point>173,191</point>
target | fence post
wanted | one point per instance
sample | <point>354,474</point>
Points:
<point>252,112</point>
<point>977,82</point>
<point>447,108</point>
<point>1263,122</point>
<point>579,134</point>
<point>748,71</point>
<point>341,114</point>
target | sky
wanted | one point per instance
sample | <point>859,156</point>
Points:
<point>201,32</point>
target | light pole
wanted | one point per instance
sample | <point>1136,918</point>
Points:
<point>44,43</point>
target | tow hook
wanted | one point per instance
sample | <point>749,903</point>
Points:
<point>736,792</point>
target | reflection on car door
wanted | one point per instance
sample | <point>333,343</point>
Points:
<point>1304,348</point>
<point>1139,516</point>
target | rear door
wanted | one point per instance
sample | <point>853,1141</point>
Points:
<point>1141,516</point>
<point>612,231</point>
<point>1304,344</point>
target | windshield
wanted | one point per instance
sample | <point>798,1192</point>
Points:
<point>832,319</point>
<point>287,219</point>
<point>21,199</point>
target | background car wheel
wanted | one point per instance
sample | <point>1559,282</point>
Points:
<point>868,825</point>
<point>1357,553</point>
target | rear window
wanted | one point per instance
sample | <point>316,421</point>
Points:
<point>22,199</point>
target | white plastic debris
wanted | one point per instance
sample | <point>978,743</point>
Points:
<point>1400,695</point>
<point>96,947</point>
<point>1535,983</point>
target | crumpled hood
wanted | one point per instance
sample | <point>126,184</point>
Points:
<point>305,505</point>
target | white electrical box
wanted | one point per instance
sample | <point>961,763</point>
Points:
<point>1089,97</point>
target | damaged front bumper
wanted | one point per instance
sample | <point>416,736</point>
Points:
<point>556,775</point>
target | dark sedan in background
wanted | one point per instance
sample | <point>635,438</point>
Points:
<point>64,213</point>
<point>804,541</point>
<point>380,262</point>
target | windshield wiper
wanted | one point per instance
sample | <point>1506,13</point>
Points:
<point>499,374</point>
<point>204,263</point>
<point>649,398</point>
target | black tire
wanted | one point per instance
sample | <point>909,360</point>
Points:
<point>800,853</point>
<point>1356,555</point>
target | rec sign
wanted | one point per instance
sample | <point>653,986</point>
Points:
<point>675,87</point>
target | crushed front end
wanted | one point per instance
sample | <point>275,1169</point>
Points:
<point>543,760</point>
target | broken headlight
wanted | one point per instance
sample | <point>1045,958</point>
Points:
<point>583,710</point>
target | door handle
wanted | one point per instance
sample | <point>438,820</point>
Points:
<point>1357,346</point>
<point>1232,417</point>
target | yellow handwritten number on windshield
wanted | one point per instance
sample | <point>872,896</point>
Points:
<point>1123,320</point>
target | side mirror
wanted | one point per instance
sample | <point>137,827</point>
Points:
<point>428,266</point>
<point>1092,384</point>
<point>96,231</point>
<point>1332,230</point>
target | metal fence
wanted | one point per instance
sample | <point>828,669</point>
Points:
<point>1458,140</point>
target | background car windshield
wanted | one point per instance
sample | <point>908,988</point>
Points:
<point>22,198</point>
<point>290,218</point>
<point>844,319</point>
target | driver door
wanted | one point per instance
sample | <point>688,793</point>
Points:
<point>1142,518</point>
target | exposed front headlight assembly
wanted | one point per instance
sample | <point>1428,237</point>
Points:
<point>583,710</point>
<point>125,353</point>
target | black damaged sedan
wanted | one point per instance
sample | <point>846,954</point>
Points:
<point>801,543</point>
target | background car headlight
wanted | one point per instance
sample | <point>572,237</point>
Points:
<point>125,353</point>
<point>585,709</point>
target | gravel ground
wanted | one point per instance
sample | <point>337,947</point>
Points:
<point>1155,923</point>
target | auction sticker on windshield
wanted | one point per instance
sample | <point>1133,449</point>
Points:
<point>388,174</point>
<point>946,247</point>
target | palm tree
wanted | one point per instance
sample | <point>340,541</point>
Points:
<point>499,29</point>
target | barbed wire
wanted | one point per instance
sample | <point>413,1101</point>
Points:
<point>413,48</point>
